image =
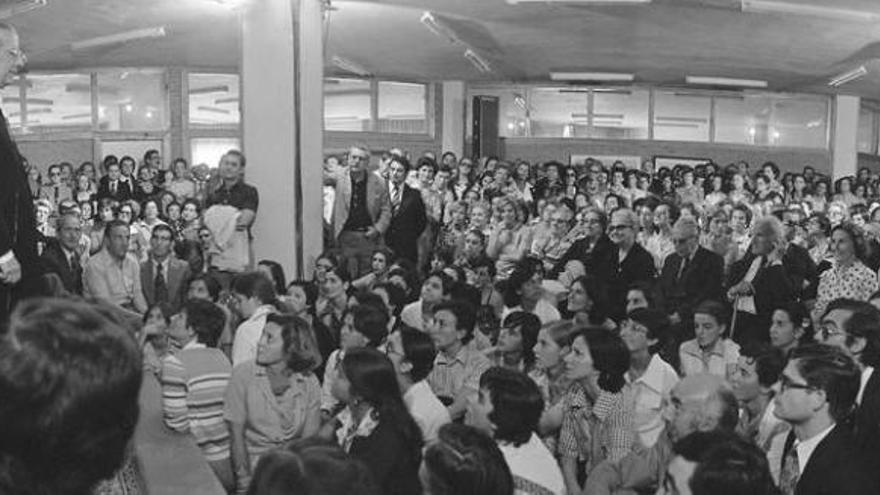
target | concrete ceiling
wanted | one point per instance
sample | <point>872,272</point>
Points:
<point>660,43</point>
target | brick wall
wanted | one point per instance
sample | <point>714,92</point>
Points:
<point>562,149</point>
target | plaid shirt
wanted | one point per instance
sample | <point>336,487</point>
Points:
<point>596,431</point>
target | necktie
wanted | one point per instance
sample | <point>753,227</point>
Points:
<point>160,288</point>
<point>113,188</point>
<point>684,265</point>
<point>75,267</point>
<point>788,477</point>
<point>395,196</point>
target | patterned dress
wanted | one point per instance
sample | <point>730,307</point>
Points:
<point>855,281</point>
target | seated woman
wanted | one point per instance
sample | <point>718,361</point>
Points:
<point>465,461</point>
<point>303,466</point>
<point>650,377</point>
<point>381,262</point>
<point>587,303</point>
<point>524,291</point>
<point>394,298</point>
<point>375,426</point>
<point>549,374</point>
<point>206,287</point>
<point>274,399</point>
<point>598,417</point>
<point>516,342</point>
<point>509,239</point>
<point>509,408</point>
<point>790,327</point>
<point>436,289</point>
<point>711,351</point>
<point>194,382</point>
<point>255,299</point>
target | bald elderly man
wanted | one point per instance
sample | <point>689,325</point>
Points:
<point>690,275</point>
<point>697,403</point>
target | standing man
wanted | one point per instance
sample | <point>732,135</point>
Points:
<point>18,232</point>
<point>408,217</point>
<point>163,275</point>
<point>361,213</point>
<point>230,252</point>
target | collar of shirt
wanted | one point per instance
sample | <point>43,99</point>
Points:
<point>806,448</point>
<point>866,376</point>
<point>193,344</point>
<point>461,356</point>
<point>693,348</point>
<point>653,375</point>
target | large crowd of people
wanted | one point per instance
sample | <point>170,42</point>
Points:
<point>474,326</point>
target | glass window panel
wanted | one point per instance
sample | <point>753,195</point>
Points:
<point>620,114</point>
<point>58,101</point>
<point>132,100</point>
<point>743,119</point>
<point>134,148</point>
<point>11,104</point>
<point>799,122</point>
<point>214,100</point>
<point>402,108</point>
<point>512,116</point>
<point>865,136</point>
<point>558,112</point>
<point>681,116</point>
<point>346,105</point>
<point>210,150</point>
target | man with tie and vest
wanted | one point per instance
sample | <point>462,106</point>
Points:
<point>690,275</point>
<point>63,256</point>
<point>408,217</point>
<point>163,276</point>
<point>112,186</point>
<point>817,394</point>
<point>758,283</point>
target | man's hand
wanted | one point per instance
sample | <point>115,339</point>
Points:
<point>10,271</point>
<point>371,233</point>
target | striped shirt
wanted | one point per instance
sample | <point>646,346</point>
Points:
<point>193,387</point>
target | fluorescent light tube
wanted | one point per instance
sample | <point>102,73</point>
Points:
<point>725,81</point>
<point>592,76</point>
<point>848,76</point>
<point>589,2</point>
<point>209,90</point>
<point>349,66</point>
<point>777,7</point>
<point>438,28</point>
<point>479,62</point>
<point>137,34</point>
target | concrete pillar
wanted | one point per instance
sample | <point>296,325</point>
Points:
<point>454,111</point>
<point>844,154</point>
<point>282,126</point>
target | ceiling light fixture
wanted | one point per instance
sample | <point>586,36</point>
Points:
<point>588,2</point>
<point>592,76</point>
<point>350,66</point>
<point>113,39</point>
<point>849,76</point>
<point>777,7</point>
<point>479,62</point>
<point>725,81</point>
<point>439,28</point>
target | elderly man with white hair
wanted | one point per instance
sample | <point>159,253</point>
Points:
<point>758,283</point>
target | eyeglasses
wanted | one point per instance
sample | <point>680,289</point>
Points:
<point>614,228</point>
<point>828,330</point>
<point>681,240</point>
<point>785,383</point>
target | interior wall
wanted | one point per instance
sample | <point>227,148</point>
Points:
<point>44,153</point>
<point>544,149</point>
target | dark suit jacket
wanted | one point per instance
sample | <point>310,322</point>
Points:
<point>701,280</point>
<point>772,286</point>
<point>801,270</point>
<point>18,225</point>
<point>867,423</point>
<point>836,467</point>
<point>637,266</point>
<point>178,276</point>
<point>54,260</point>
<point>407,223</point>
<point>580,251</point>
<point>123,190</point>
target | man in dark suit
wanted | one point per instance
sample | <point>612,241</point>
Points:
<point>361,211</point>
<point>818,390</point>
<point>854,327</point>
<point>112,186</point>
<point>63,255</point>
<point>690,275</point>
<point>19,262</point>
<point>627,262</point>
<point>408,217</point>
<point>163,276</point>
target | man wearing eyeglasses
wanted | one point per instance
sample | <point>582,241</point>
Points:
<point>361,210</point>
<point>18,233</point>
<point>854,327</point>
<point>818,390</point>
<point>628,263</point>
